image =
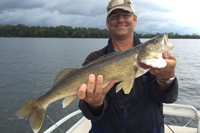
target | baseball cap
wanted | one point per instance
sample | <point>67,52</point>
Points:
<point>120,4</point>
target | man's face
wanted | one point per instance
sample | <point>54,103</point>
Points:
<point>121,27</point>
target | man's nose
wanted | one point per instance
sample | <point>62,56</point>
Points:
<point>120,18</point>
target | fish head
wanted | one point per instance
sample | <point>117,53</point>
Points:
<point>159,43</point>
<point>150,55</point>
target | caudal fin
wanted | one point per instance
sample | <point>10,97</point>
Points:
<point>34,113</point>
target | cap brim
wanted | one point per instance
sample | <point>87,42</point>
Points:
<point>120,7</point>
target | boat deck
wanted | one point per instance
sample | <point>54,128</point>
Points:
<point>85,125</point>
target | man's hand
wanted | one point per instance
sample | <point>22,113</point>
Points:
<point>94,95</point>
<point>166,72</point>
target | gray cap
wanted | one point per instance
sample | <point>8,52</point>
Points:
<point>120,4</point>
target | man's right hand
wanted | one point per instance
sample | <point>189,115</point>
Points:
<point>94,95</point>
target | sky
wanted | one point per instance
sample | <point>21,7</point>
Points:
<point>177,16</point>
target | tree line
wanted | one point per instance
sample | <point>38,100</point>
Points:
<point>61,31</point>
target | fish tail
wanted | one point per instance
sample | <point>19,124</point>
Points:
<point>34,113</point>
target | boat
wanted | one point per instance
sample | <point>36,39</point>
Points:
<point>84,125</point>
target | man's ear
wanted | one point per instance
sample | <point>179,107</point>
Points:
<point>135,20</point>
<point>107,24</point>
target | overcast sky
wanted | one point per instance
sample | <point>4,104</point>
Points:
<point>178,16</point>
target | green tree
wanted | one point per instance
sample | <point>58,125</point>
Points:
<point>1,31</point>
<point>21,30</point>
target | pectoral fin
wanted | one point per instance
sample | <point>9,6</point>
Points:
<point>126,85</point>
<point>68,100</point>
<point>62,74</point>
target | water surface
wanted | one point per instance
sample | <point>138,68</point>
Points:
<point>28,67</point>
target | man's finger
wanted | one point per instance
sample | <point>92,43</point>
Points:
<point>82,91</point>
<point>90,85</point>
<point>168,55</point>
<point>99,86</point>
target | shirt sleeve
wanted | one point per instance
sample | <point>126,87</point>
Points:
<point>84,107</point>
<point>88,113</point>
<point>93,56</point>
<point>168,97</point>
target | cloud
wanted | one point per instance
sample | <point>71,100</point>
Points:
<point>12,5</point>
<point>54,13</point>
<point>179,17</point>
<point>80,7</point>
<point>153,16</point>
<point>142,6</point>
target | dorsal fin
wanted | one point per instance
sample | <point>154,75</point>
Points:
<point>113,53</point>
<point>62,74</point>
<point>105,56</point>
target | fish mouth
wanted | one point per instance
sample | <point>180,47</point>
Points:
<point>152,63</point>
<point>143,65</point>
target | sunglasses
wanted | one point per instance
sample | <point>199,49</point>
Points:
<point>125,15</point>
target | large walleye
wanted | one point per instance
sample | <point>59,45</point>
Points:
<point>119,66</point>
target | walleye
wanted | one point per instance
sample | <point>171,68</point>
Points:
<point>122,66</point>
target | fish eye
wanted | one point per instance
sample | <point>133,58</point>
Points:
<point>155,40</point>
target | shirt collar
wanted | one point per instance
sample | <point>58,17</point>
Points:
<point>111,49</point>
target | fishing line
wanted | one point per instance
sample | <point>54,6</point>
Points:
<point>55,124</point>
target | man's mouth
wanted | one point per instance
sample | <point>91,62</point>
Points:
<point>121,26</point>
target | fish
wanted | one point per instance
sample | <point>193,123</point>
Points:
<point>121,66</point>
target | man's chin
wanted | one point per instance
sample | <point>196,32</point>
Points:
<point>121,34</point>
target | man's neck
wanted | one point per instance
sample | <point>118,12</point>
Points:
<point>122,44</point>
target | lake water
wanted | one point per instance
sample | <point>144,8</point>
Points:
<point>28,67</point>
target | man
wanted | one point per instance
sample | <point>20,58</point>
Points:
<point>141,110</point>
